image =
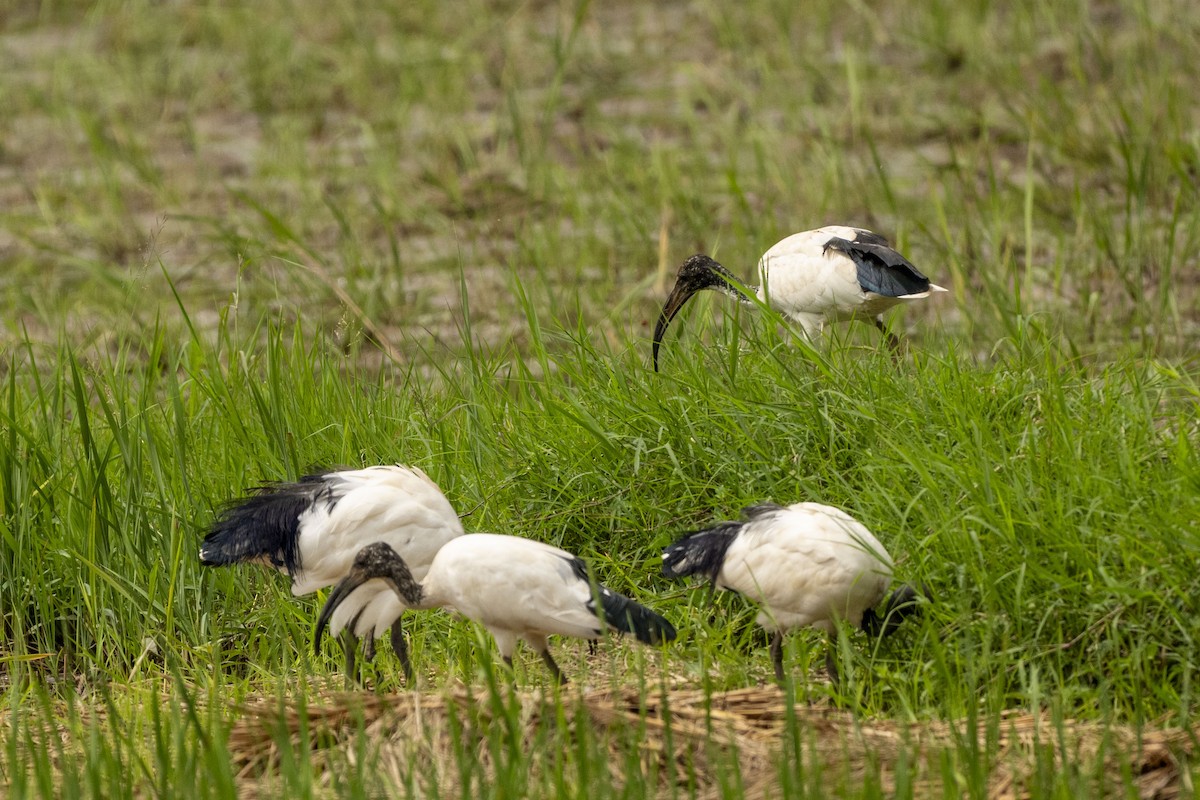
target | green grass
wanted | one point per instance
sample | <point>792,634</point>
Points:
<point>240,244</point>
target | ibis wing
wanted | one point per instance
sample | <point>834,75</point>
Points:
<point>396,505</point>
<point>881,269</point>
<point>806,564</point>
<point>862,236</point>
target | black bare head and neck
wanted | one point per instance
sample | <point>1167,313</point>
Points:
<point>696,274</point>
<point>902,603</point>
<point>376,560</point>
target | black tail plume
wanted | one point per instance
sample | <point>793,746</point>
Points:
<point>700,553</point>
<point>265,525</point>
<point>630,616</point>
<point>902,603</point>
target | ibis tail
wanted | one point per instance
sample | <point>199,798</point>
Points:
<point>629,616</point>
<point>263,527</point>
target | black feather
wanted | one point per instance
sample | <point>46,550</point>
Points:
<point>702,552</point>
<point>627,616</point>
<point>630,616</point>
<point>761,510</point>
<point>880,268</point>
<point>902,603</point>
<point>579,569</point>
<point>267,524</point>
<point>870,237</point>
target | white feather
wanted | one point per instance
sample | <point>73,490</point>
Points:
<point>516,588</point>
<point>807,564</point>
<point>812,285</point>
<point>393,504</point>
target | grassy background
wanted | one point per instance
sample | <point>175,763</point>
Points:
<point>238,243</point>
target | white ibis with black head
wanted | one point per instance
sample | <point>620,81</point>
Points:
<point>313,528</point>
<point>825,275</point>
<point>516,588</point>
<point>807,565</point>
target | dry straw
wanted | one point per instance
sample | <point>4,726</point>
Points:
<point>706,729</point>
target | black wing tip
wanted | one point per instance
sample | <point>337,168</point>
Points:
<point>664,632</point>
<point>209,558</point>
<point>630,616</point>
<point>881,268</point>
<point>759,510</point>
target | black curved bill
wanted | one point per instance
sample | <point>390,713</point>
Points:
<point>683,291</point>
<point>340,592</point>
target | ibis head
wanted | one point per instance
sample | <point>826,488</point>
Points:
<point>903,602</point>
<point>377,560</point>
<point>697,273</point>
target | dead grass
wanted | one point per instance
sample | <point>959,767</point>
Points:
<point>683,734</point>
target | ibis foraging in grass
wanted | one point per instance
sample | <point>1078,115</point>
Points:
<point>807,565</point>
<point>313,529</point>
<point>516,588</point>
<point>824,275</point>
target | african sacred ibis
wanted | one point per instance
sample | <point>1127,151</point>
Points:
<point>806,564</point>
<point>824,275</point>
<point>516,588</point>
<point>312,529</point>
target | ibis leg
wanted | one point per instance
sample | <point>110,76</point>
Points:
<point>831,661</point>
<point>350,647</point>
<point>400,647</point>
<point>369,647</point>
<point>553,667</point>
<point>892,340</point>
<point>777,654</point>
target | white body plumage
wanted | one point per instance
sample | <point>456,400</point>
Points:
<point>312,529</point>
<point>516,588</point>
<point>818,276</point>
<point>807,565</point>
<point>401,506</point>
<point>537,592</point>
<point>808,281</point>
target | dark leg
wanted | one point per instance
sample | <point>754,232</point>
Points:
<point>400,646</point>
<point>554,670</point>
<point>777,654</point>
<point>592,646</point>
<point>369,647</point>
<point>831,662</point>
<point>892,340</point>
<point>350,647</point>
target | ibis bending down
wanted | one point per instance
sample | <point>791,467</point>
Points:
<point>516,588</point>
<point>312,529</point>
<point>825,275</point>
<point>806,564</point>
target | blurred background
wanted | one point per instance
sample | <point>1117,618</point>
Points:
<point>368,168</point>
